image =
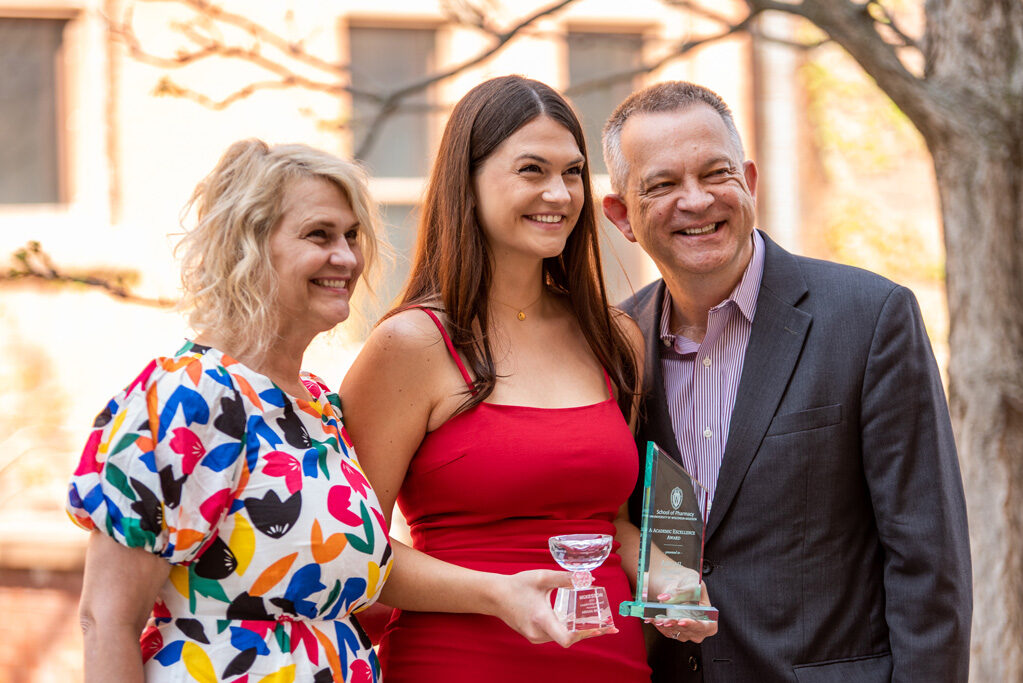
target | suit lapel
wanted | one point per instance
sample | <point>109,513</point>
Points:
<point>657,420</point>
<point>776,339</point>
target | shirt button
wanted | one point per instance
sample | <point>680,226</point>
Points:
<point>707,433</point>
<point>694,663</point>
<point>706,362</point>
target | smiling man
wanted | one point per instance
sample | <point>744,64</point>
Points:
<point>805,397</point>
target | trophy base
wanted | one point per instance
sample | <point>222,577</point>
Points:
<point>660,610</point>
<point>583,609</point>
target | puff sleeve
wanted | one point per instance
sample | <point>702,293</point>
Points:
<point>164,460</point>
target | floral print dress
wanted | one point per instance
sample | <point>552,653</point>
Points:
<point>256,499</point>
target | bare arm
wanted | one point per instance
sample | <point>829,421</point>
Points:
<point>402,384</point>
<point>119,588</point>
<point>423,583</point>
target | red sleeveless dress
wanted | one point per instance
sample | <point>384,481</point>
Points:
<point>486,490</point>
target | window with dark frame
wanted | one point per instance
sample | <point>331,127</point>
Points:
<point>592,57</point>
<point>30,55</point>
<point>383,60</point>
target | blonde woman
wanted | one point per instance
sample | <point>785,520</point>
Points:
<point>232,525</point>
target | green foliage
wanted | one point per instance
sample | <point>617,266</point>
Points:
<point>858,233</point>
<point>877,209</point>
<point>853,121</point>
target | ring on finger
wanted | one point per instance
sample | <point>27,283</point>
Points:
<point>676,634</point>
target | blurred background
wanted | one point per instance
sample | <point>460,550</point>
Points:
<point>112,110</point>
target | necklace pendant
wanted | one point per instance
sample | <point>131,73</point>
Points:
<point>521,315</point>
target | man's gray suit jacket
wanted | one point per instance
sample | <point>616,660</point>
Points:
<point>836,546</point>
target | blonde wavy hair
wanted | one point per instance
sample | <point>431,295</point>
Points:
<point>229,283</point>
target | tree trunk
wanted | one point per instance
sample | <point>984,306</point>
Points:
<point>982,207</point>
<point>974,56</point>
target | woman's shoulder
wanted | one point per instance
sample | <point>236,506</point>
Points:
<point>174,434</point>
<point>187,365</point>
<point>197,384</point>
<point>411,330</point>
<point>405,350</point>
<point>196,367</point>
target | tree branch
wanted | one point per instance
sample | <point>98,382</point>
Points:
<point>468,13</point>
<point>851,25</point>
<point>125,31</point>
<point>886,19</point>
<point>167,87</point>
<point>212,48</point>
<point>385,112</point>
<point>746,24</point>
<point>294,49</point>
<point>252,55</point>
<point>389,103</point>
<point>679,50</point>
<point>31,262</point>
<point>794,44</point>
<point>208,47</point>
<point>502,40</point>
<point>698,9</point>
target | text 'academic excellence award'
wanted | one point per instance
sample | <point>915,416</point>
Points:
<point>671,544</point>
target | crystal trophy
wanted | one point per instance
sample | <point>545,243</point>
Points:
<point>583,607</point>
<point>670,544</point>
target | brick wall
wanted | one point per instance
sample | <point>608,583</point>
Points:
<point>40,641</point>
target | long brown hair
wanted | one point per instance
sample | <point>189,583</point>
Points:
<point>452,267</point>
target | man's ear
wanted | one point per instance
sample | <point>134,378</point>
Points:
<point>618,213</point>
<point>749,171</point>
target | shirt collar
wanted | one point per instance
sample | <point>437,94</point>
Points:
<point>744,295</point>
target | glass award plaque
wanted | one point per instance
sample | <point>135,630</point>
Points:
<point>670,545</point>
<point>584,607</point>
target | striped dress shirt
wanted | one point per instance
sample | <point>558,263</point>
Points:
<point>701,379</point>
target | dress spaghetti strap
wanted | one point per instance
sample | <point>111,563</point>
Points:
<point>454,353</point>
<point>607,379</point>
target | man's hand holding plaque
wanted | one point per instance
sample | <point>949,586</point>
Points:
<point>668,587</point>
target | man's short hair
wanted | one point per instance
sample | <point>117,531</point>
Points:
<point>661,97</point>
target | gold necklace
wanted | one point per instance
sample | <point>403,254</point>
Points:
<point>521,315</point>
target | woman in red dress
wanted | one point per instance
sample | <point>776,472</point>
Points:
<point>490,404</point>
